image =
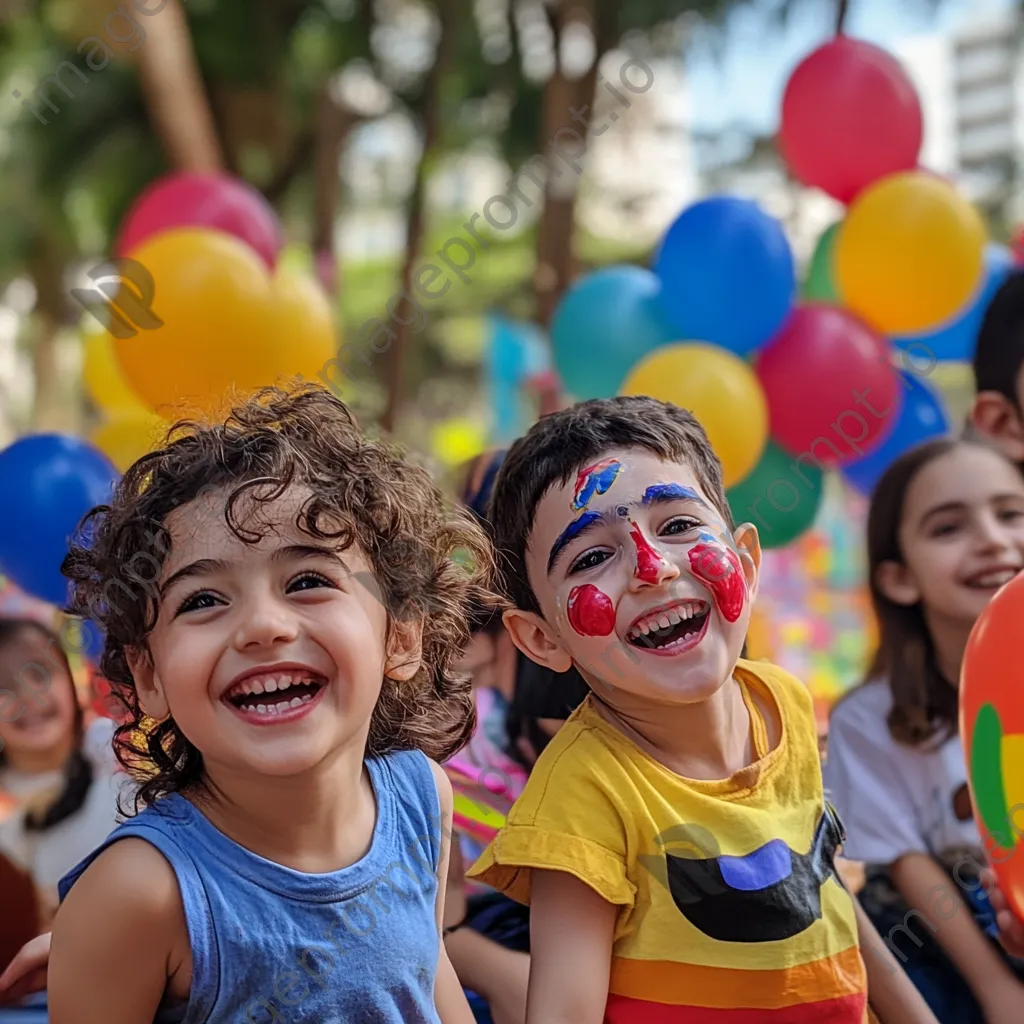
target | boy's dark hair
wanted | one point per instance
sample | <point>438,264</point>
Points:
<point>429,562</point>
<point>560,445</point>
<point>999,353</point>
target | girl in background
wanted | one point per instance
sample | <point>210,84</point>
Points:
<point>945,531</point>
<point>59,774</point>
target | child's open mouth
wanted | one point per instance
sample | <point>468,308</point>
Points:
<point>671,630</point>
<point>280,697</point>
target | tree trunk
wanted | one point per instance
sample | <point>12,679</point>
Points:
<point>556,259</point>
<point>175,97</point>
<point>47,263</point>
<point>431,119</point>
<point>334,122</point>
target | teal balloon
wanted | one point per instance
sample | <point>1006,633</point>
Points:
<point>603,326</point>
<point>820,285</point>
<point>780,497</point>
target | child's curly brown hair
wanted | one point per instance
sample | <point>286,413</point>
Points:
<point>430,562</point>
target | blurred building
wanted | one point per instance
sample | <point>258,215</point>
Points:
<point>641,170</point>
<point>971,82</point>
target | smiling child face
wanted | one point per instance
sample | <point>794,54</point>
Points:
<point>639,580</point>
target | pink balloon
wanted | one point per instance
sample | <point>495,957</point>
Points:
<point>850,115</point>
<point>832,391</point>
<point>215,201</point>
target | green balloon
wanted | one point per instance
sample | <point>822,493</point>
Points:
<point>820,285</point>
<point>780,497</point>
<point>987,776</point>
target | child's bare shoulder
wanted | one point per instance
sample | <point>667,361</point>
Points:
<point>131,882</point>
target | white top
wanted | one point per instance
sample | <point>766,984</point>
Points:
<point>893,799</point>
<point>49,855</point>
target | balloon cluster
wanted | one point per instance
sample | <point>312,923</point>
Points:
<point>788,385</point>
<point>231,318</point>
<point>211,312</point>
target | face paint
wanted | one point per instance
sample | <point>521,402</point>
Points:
<point>649,563</point>
<point>719,567</point>
<point>570,533</point>
<point>590,611</point>
<point>593,480</point>
<point>671,492</point>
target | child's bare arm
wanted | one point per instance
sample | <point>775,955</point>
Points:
<point>117,940</point>
<point>26,973</point>
<point>891,993</point>
<point>571,932</point>
<point>449,999</point>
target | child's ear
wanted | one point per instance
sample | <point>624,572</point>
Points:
<point>147,683</point>
<point>405,650</point>
<point>748,546</point>
<point>536,639</point>
<point>896,582</point>
<point>995,416</point>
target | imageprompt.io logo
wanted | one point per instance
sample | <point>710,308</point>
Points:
<point>120,298</point>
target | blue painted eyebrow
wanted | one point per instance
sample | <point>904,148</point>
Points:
<point>657,493</point>
<point>575,529</point>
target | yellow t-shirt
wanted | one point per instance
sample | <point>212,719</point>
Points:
<point>730,910</point>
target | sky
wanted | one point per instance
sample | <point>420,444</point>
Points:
<point>743,83</point>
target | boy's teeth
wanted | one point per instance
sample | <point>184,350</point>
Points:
<point>271,685</point>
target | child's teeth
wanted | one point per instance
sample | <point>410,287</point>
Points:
<point>271,686</point>
<point>261,708</point>
<point>294,702</point>
<point>255,686</point>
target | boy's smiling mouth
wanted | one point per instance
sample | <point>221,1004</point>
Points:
<point>275,694</point>
<point>671,629</point>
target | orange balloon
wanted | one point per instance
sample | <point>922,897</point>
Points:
<point>992,729</point>
<point>218,325</point>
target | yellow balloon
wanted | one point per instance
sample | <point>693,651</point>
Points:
<point>458,440</point>
<point>126,438</point>
<point>720,389</point>
<point>910,253</point>
<point>102,373</point>
<point>223,326</point>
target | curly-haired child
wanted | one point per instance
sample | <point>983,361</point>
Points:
<point>283,601</point>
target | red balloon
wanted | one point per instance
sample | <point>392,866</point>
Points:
<point>832,392</point>
<point>215,201</point>
<point>850,115</point>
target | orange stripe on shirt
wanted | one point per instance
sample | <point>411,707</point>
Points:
<point>666,981</point>
<point>851,1009</point>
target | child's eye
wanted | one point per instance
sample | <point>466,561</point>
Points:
<point>681,524</point>
<point>199,602</point>
<point>945,529</point>
<point>309,581</point>
<point>1011,514</point>
<point>588,560</point>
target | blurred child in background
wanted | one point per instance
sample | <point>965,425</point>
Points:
<point>61,775</point>
<point>945,532</point>
<point>519,706</point>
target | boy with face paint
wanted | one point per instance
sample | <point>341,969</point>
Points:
<point>673,840</point>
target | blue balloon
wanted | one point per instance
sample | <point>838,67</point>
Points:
<point>727,274</point>
<point>517,351</point>
<point>603,326</point>
<point>49,482</point>
<point>956,341</point>
<point>921,418</point>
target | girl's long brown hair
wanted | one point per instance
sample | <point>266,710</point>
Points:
<point>924,703</point>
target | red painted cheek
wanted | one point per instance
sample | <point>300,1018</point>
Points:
<point>590,611</point>
<point>649,563</point>
<point>720,569</point>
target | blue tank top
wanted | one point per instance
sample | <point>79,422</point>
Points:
<point>271,945</point>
